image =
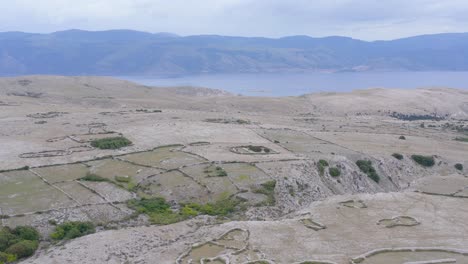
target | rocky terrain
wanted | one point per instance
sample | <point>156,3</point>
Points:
<point>373,176</point>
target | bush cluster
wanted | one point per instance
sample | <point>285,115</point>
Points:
<point>17,243</point>
<point>426,161</point>
<point>70,230</point>
<point>111,143</point>
<point>366,167</point>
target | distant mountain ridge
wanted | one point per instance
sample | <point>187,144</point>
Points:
<point>127,52</point>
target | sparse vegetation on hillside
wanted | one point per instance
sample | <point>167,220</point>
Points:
<point>366,167</point>
<point>17,243</point>
<point>111,143</point>
<point>70,230</point>
<point>397,156</point>
<point>426,161</point>
<point>415,117</point>
<point>268,189</point>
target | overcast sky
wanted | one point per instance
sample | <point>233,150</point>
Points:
<point>362,19</point>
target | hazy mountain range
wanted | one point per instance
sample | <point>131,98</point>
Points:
<point>126,52</point>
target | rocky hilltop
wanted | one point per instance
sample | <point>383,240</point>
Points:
<point>371,176</point>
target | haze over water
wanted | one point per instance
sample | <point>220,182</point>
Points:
<point>288,84</point>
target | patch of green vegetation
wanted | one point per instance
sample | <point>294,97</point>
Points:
<point>7,258</point>
<point>215,172</point>
<point>334,172</point>
<point>17,243</point>
<point>223,207</point>
<point>70,230</point>
<point>111,143</point>
<point>258,149</point>
<point>160,211</point>
<point>268,189</point>
<point>397,156</point>
<point>94,178</point>
<point>366,167</point>
<point>462,139</point>
<point>321,166</point>
<point>459,166</point>
<point>426,161</point>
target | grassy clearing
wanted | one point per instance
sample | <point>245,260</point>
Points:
<point>426,161</point>
<point>366,167</point>
<point>17,243</point>
<point>70,230</point>
<point>111,143</point>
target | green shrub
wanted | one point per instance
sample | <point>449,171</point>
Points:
<point>321,166</point>
<point>402,138</point>
<point>459,166</point>
<point>366,167</point>
<point>323,163</point>
<point>334,171</point>
<point>17,243</point>
<point>151,205</point>
<point>6,238</point>
<point>70,230</point>
<point>397,156</point>
<point>462,139</point>
<point>7,258</point>
<point>426,161</point>
<point>26,233</point>
<point>22,249</point>
<point>93,177</point>
<point>111,143</point>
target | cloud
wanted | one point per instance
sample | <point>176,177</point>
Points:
<point>365,19</point>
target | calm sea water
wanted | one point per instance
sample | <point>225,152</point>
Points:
<point>297,84</point>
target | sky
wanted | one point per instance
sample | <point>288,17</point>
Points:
<point>361,19</point>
